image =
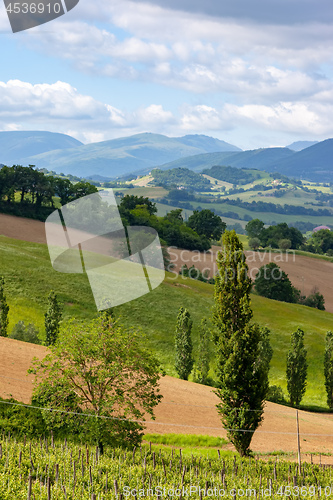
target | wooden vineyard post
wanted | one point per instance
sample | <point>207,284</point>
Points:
<point>298,444</point>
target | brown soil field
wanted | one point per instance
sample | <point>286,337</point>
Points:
<point>305,273</point>
<point>186,408</point>
<point>22,229</point>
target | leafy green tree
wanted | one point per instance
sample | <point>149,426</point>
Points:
<point>296,368</point>
<point>64,189</point>
<point>183,344</point>
<point>82,188</point>
<point>101,369</point>
<point>284,244</point>
<point>254,228</point>
<point>271,235</point>
<point>254,243</point>
<point>206,223</point>
<point>328,368</point>
<point>272,282</point>
<point>130,201</point>
<point>204,352</point>
<point>241,347</point>
<point>53,317</point>
<point>4,309</point>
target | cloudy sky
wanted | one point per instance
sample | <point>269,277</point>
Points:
<point>255,73</point>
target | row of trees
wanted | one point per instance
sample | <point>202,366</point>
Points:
<point>284,237</point>
<point>243,351</point>
<point>35,189</point>
<point>277,236</point>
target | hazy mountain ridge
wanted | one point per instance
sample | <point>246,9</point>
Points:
<point>140,153</point>
<point>17,146</point>
<point>118,157</point>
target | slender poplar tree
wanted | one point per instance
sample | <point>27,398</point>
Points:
<point>296,368</point>
<point>53,317</point>
<point>328,368</point>
<point>204,352</point>
<point>4,309</point>
<point>183,344</point>
<point>242,373</point>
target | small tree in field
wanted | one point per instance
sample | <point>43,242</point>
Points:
<point>53,317</point>
<point>4,309</point>
<point>203,352</point>
<point>328,368</point>
<point>243,353</point>
<point>101,369</point>
<point>296,368</point>
<point>183,344</point>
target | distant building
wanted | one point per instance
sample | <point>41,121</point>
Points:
<point>318,228</point>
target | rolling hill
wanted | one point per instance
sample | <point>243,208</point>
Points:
<point>260,159</point>
<point>16,146</point>
<point>118,157</point>
<point>313,163</point>
<point>29,277</point>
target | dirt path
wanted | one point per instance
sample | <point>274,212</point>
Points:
<point>186,408</point>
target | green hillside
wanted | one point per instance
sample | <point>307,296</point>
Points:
<point>29,278</point>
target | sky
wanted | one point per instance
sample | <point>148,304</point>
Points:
<point>254,73</point>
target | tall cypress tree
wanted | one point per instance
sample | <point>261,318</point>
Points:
<point>183,344</point>
<point>328,368</point>
<point>4,309</point>
<point>203,358</point>
<point>296,368</point>
<point>53,317</point>
<point>241,371</point>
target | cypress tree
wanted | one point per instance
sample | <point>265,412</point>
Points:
<point>4,309</point>
<point>53,317</point>
<point>183,344</point>
<point>328,368</point>
<point>203,352</point>
<point>241,347</point>
<point>296,368</point>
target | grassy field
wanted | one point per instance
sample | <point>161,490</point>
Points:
<point>29,278</point>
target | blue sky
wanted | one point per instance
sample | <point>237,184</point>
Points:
<point>255,73</point>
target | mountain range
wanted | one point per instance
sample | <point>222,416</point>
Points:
<point>138,154</point>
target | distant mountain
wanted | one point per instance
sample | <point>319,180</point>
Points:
<point>17,146</point>
<point>260,159</point>
<point>207,144</point>
<point>314,163</point>
<point>299,145</point>
<point>118,157</point>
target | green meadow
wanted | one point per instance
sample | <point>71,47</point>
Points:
<point>29,278</point>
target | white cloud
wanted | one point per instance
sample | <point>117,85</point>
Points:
<point>61,107</point>
<point>195,52</point>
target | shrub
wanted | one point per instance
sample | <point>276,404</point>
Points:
<point>275,394</point>
<point>25,333</point>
